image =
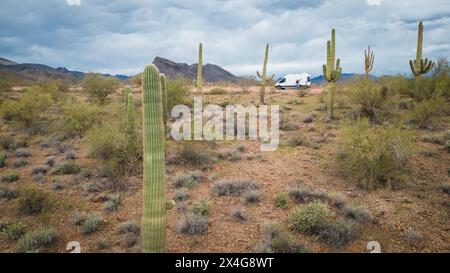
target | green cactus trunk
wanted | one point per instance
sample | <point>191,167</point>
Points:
<point>126,92</point>
<point>131,137</point>
<point>163,80</point>
<point>263,76</point>
<point>200,69</point>
<point>332,73</point>
<point>154,192</point>
<point>420,66</point>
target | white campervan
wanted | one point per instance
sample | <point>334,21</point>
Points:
<point>294,81</point>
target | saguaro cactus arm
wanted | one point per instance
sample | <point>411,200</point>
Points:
<point>332,72</point>
<point>154,199</point>
<point>420,66</point>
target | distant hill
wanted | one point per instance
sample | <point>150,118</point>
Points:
<point>41,73</point>
<point>6,62</point>
<point>344,76</point>
<point>211,73</point>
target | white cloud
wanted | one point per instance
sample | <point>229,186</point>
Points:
<point>374,2</point>
<point>115,36</point>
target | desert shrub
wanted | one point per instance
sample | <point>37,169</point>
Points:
<point>92,187</point>
<point>70,155</point>
<point>286,125</point>
<point>217,91</point>
<point>239,214</point>
<point>275,240</point>
<point>78,118</point>
<point>101,244</point>
<point>413,238</point>
<point>230,155</point>
<point>40,169</point>
<point>339,233</point>
<point>66,167</point>
<point>311,218</point>
<point>281,200</point>
<point>424,88</point>
<point>358,214</point>
<point>337,200</point>
<point>424,112</point>
<point>91,224</point>
<point>26,111</point>
<point>2,160</point>
<point>112,202</point>
<point>189,180</point>
<point>39,178</point>
<point>14,231</point>
<point>177,91</point>
<point>399,84</point>
<point>251,197</point>
<point>20,163</point>
<point>9,177</point>
<point>33,200</point>
<point>8,193</point>
<point>301,194</point>
<point>181,194</point>
<point>201,207</point>
<point>192,225</point>
<point>299,140</point>
<point>129,240</point>
<point>57,185</point>
<point>79,219</point>
<point>194,155</point>
<point>375,156</point>
<point>22,152</point>
<point>233,187</point>
<point>36,241</point>
<point>368,95</point>
<point>50,161</point>
<point>129,227</point>
<point>99,87</point>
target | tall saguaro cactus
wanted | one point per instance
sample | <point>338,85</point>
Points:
<point>154,194</point>
<point>163,80</point>
<point>200,68</point>
<point>420,66</point>
<point>369,59</point>
<point>331,72</point>
<point>263,76</point>
<point>131,137</point>
<point>126,91</point>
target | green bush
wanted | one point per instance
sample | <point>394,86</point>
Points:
<point>36,241</point>
<point>177,91</point>
<point>201,207</point>
<point>217,91</point>
<point>425,111</point>
<point>33,200</point>
<point>78,118</point>
<point>14,231</point>
<point>281,200</point>
<point>67,167</point>
<point>275,240</point>
<point>368,95</point>
<point>99,87</point>
<point>27,111</point>
<point>373,155</point>
<point>91,224</point>
<point>9,177</point>
<point>311,218</point>
<point>106,141</point>
<point>2,160</point>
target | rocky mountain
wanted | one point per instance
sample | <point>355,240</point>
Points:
<point>211,73</point>
<point>41,73</point>
<point>344,76</point>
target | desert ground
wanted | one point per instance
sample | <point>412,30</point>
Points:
<point>412,216</point>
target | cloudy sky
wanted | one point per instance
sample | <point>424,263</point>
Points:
<point>121,37</point>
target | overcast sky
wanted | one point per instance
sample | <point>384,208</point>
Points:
<point>121,37</point>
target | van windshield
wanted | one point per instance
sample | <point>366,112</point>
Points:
<point>282,80</point>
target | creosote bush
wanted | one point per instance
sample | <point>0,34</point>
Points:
<point>368,95</point>
<point>78,118</point>
<point>66,167</point>
<point>99,87</point>
<point>373,155</point>
<point>33,200</point>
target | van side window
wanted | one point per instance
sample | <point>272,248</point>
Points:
<point>309,78</point>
